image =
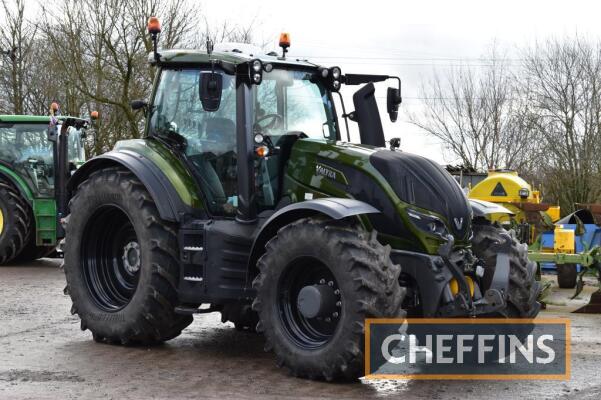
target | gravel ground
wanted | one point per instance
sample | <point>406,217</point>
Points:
<point>44,354</point>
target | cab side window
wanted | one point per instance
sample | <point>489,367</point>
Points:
<point>210,136</point>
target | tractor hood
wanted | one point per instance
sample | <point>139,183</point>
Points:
<point>421,182</point>
<point>394,182</point>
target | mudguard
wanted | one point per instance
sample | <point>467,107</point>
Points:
<point>8,174</point>
<point>482,208</point>
<point>169,203</point>
<point>335,208</point>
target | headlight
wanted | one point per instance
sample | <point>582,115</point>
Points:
<point>428,223</point>
<point>334,78</point>
<point>335,73</point>
<point>524,193</point>
<point>255,71</point>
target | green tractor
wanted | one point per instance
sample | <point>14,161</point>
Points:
<point>243,199</point>
<point>34,168</point>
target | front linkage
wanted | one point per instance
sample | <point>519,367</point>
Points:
<point>494,299</point>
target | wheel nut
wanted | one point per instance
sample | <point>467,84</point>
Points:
<point>328,319</point>
<point>322,281</point>
<point>337,292</point>
<point>335,314</point>
<point>330,283</point>
<point>338,304</point>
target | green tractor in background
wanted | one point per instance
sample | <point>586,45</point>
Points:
<point>243,197</point>
<point>37,156</point>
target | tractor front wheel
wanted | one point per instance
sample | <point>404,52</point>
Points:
<point>523,289</point>
<point>319,279</point>
<point>121,262</point>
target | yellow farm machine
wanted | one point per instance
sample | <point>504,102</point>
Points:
<point>571,245</point>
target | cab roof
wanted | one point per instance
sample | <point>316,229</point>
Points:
<point>33,119</point>
<point>234,56</point>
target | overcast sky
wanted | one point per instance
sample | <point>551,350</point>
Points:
<point>409,38</point>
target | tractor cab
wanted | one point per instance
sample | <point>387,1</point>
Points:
<point>286,102</point>
<point>26,149</point>
<point>38,154</point>
<point>234,117</point>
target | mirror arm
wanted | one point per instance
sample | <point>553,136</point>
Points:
<point>345,116</point>
<point>399,80</point>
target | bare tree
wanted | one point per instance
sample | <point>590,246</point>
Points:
<point>17,38</point>
<point>102,48</point>
<point>479,116</point>
<point>565,94</point>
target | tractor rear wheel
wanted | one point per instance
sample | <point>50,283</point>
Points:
<point>15,222</point>
<point>567,275</point>
<point>523,291</point>
<point>121,262</point>
<point>319,279</point>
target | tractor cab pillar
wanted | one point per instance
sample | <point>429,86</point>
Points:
<point>247,208</point>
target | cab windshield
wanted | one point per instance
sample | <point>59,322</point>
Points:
<point>293,101</point>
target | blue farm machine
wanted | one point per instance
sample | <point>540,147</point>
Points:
<point>574,248</point>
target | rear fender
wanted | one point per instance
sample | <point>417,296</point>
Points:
<point>167,199</point>
<point>17,182</point>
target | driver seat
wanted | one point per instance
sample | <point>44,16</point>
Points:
<point>222,130</point>
<point>213,166</point>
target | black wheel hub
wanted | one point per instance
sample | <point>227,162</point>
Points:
<point>316,301</point>
<point>111,258</point>
<point>309,303</point>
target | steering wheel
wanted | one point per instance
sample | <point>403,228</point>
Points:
<point>274,121</point>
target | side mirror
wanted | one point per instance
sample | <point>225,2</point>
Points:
<point>138,104</point>
<point>393,100</point>
<point>209,90</point>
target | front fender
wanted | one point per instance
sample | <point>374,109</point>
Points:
<point>482,208</point>
<point>335,208</point>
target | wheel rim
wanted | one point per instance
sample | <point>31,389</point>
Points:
<point>308,333</point>
<point>111,258</point>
